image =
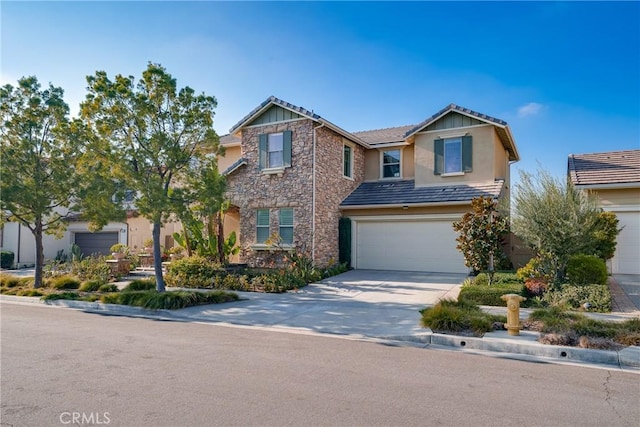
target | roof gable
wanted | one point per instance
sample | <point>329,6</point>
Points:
<point>482,118</point>
<point>264,112</point>
<point>606,168</point>
<point>275,114</point>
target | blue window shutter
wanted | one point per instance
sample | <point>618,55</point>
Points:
<point>467,154</point>
<point>286,148</point>
<point>263,150</point>
<point>438,149</point>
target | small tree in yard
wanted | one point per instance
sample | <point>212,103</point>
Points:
<point>41,153</point>
<point>554,218</point>
<point>153,137</point>
<point>481,232</point>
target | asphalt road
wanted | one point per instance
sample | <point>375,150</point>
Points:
<point>61,367</point>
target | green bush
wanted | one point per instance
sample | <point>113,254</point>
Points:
<point>91,286</point>
<point>140,285</point>
<point>91,268</point>
<point>168,300</point>
<point>586,269</point>
<point>192,272</point>
<point>65,282</point>
<point>499,277</point>
<point>9,281</point>
<point>6,259</point>
<point>108,287</point>
<point>61,295</point>
<point>458,316</point>
<point>575,296</point>
<point>490,295</point>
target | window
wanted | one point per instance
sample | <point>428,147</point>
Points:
<point>347,167</point>
<point>262,225</point>
<point>391,164</point>
<point>453,155</point>
<point>275,150</point>
<point>286,225</point>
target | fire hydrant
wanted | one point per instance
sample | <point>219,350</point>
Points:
<point>513,312</point>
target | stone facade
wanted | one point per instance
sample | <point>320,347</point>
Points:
<point>331,188</point>
<point>250,189</point>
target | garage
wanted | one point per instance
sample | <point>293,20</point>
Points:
<point>407,245</point>
<point>96,243</point>
<point>625,260</point>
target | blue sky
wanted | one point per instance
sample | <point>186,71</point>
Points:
<point>564,75</point>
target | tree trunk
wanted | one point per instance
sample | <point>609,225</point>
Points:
<point>39,253</point>
<point>157,257</point>
<point>221,255</point>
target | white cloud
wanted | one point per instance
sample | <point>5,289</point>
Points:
<point>530,109</point>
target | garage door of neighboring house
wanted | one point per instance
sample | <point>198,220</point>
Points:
<point>96,243</point>
<point>409,245</point>
<point>625,261</point>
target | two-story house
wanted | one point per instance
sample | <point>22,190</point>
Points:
<point>293,173</point>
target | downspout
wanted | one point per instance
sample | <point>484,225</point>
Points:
<point>313,198</point>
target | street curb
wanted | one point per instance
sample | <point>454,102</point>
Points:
<point>525,344</point>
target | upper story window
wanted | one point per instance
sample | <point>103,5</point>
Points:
<point>391,163</point>
<point>347,161</point>
<point>453,155</point>
<point>275,150</point>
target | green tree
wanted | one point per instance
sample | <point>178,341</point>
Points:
<point>153,137</point>
<point>42,153</point>
<point>605,235</point>
<point>554,217</point>
<point>480,234</point>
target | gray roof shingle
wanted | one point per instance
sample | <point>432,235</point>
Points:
<point>277,101</point>
<point>230,139</point>
<point>454,107</point>
<point>404,192</point>
<point>376,136</point>
<point>612,167</point>
<point>235,165</point>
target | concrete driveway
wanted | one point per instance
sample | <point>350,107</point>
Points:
<point>367,303</point>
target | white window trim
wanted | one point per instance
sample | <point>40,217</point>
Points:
<point>353,154</point>
<point>273,171</point>
<point>265,247</point>
<point>269,135</point>
<point>382,150</point>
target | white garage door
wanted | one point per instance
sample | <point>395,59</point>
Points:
<point>627,257</point>
<point>424,245</point>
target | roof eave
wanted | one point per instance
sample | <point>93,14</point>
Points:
<point>410,205</point>
<point>609,186</point>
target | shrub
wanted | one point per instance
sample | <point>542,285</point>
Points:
<point>91,285</point>
<point>536,287</point>
<point>140,285</point>
<point>575,296</point>
<point>586,269</point>
<point>6,259</point>
<point>108,287</point>
<point>91,268</point>
<point>61,295</point>
<point>8,281</point>
<point>489,295</point>
<point>500,277</point>
<point>65,282</point>
<point>168,300</point>
<point>458,316</point>
<point>192,272</point>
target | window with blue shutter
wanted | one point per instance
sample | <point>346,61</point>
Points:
<point>286,225</point>
<point>262,225</point>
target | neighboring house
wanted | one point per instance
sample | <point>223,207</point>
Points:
<point>293,173</point>
<point>615,177</point>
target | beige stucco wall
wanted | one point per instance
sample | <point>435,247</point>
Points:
<point>618,197</point>
<point>140,230</point>
<point>484,156</point>
<point>231,154</point>
<point>373,162</point>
